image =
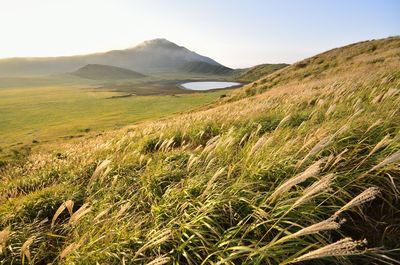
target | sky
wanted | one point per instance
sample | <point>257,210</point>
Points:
<point>236,33</point>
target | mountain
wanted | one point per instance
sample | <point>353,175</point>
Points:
<point>106,72</point>
<point>153,56</point>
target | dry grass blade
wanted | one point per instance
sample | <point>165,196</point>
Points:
<point>69,249</point>
<point>394,158</point>
<point>123,210</point>
<point>210,163</point>
<point>319,186</point>
<point>192,160</point>
<point>25,252</point>
<point>339,157</point>
<point>84,209</point>
<point>159,261</point>
<point>58,212</point>
<point>344,247</point>
<point>382,143</point>
<point>330,110</point>
<point>70,206</point>
<point>212,180</point>
<point>65,205</point>
<point>260,143</point>
<point>101,214</point>
<point>318,147</point>
<point>283,121</point>
<point>378,122</point>
<point>4,236</point>
<point>154,241</point>
<point>244,138</point>
<point>99,169</point>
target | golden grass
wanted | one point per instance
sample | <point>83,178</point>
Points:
<point>259,179</point>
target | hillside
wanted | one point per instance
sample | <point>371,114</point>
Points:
<point>206,68</point>
<point>340,62</point>
<point>258,71</point>
<point>106,72</point>
<point>153,56</point>
<point>299,167</point>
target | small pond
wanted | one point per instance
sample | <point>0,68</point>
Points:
<point>208,85</point>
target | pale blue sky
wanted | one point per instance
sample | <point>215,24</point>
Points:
<point>237,33</point>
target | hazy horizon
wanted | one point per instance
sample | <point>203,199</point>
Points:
<point>234,33</point>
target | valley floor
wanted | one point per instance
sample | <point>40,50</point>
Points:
<point>33,115</point>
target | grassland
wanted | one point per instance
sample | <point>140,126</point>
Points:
<point>258,71</point>
<point>299,167</point>
<point>45,113</point>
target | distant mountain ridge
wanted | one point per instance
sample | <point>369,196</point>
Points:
<point>205,68</point>
<point>106,72</point>
<point>153,56</point>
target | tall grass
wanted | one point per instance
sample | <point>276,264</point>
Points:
<point>281,177</point>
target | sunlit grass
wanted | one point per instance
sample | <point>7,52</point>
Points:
<point>281,177</point>
<point>49,113</point>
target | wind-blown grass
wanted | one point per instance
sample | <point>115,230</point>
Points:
<point>233,184</point>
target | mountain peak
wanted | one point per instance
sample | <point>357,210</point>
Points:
<point>159,42</point>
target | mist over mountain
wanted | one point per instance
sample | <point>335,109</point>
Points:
<point>152,56</point>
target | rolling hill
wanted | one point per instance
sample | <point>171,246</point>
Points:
<point>149,57</point>
<point>205,68</point>
<point>258,71</point>
<point>106,72</point>
<point>298,167</point>
<point>339,63</point>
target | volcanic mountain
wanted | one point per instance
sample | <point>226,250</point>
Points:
<point>152,56</point>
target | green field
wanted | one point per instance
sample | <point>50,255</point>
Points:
<point>39,114</point>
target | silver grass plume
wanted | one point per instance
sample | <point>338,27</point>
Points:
<point>344,247</point>
<point>312,229</point>
<point>319,186</point>
<point>365,196</point>
<point>311,171</point>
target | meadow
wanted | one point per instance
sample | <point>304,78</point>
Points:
<point>299,167</point>
<point>37,114</point>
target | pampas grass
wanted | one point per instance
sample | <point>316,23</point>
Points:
<point>229,183</point>
<point>394,158</point>
<point>341,248</point>
<point>325,225</point>
<point>25,249</point>
<point>365,196</point>
<point>319,186</point>
<point>211,181</point>
<point>83,210</point>
<point>68,250</point>
<point>4,236</point>
<point>311,171</point>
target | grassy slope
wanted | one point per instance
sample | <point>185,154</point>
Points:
<point>259,71</point>
<point>225,184</point>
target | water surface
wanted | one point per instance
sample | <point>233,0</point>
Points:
<point>208,85</point>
